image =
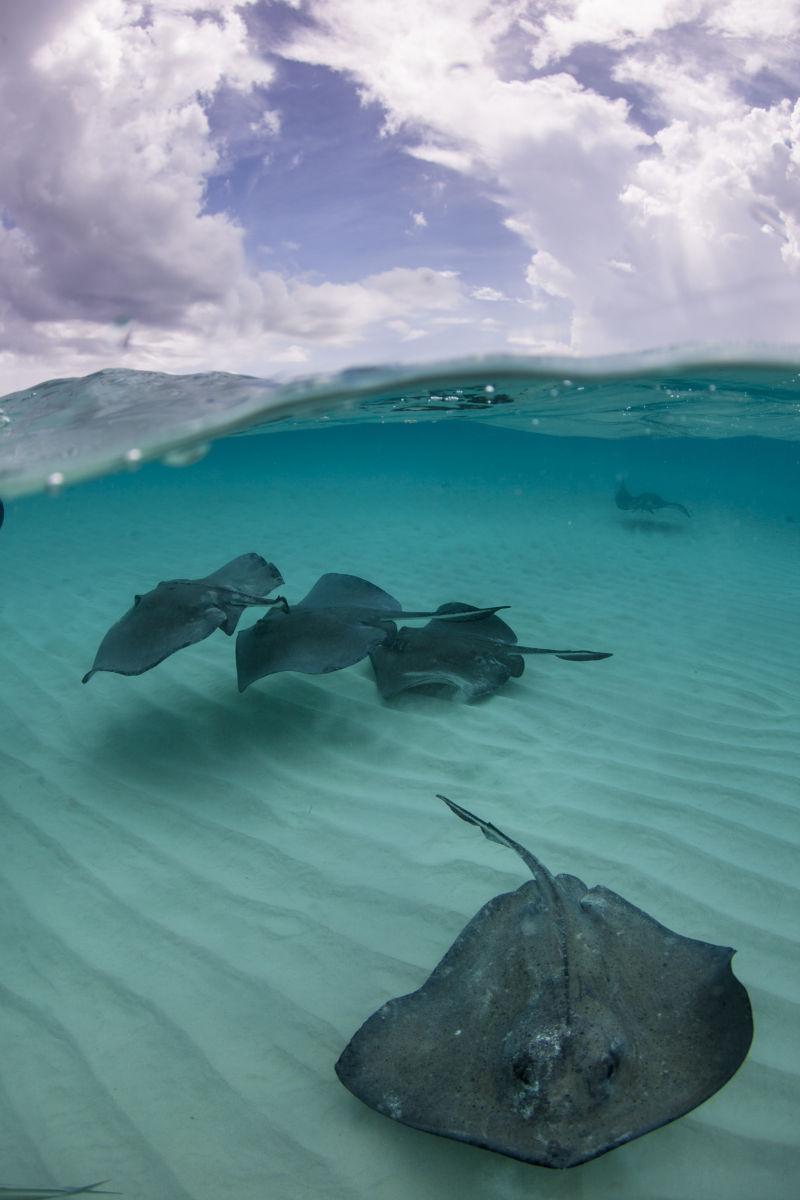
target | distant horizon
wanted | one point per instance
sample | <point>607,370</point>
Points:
<point>283,189</point>
<point>621,365</point>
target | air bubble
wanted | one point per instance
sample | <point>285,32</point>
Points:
<point>54,482</point>
<point>186,455</point>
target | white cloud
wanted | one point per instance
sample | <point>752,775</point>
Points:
<point>104,151</point>
<point>487,293</point>
<point>268,122</point>
<point>292,354</point>
<point>552,276</point>
<point>406,332</point>
<point>338,313</point>
<point>443,156</point>
<point>636,237</point>
<point>616,23</point>
<point>672,215</point>
<point>114,115</point>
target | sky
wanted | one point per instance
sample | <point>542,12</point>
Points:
<point>284,188</point>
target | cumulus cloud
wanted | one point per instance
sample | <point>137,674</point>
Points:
<point>487,293</point>
<point>114,116</point>
<point>105,152</point>
<point>630,170</point>
<point>646,157</point>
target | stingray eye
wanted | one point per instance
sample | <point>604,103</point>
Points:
<point>612,1060</point>
<point>524,1069</point>
<point>136,600</point>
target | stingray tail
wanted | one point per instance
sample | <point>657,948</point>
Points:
<point>493,834</point>
<point>234,611</point>
<point>569,655</point>
<point>472,614</point>
<point>43,1193</point>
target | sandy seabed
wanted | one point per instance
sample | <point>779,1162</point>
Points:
<point>203,895</point>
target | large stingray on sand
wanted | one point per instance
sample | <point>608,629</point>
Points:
<point>562,1022</point>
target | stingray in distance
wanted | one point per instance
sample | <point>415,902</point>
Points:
<point>563,1022</point>
<point>468,660</point>
<point>647,502</point>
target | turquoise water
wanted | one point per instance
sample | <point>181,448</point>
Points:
<point>204,894</point>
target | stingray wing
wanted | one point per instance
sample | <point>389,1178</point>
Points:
<point>348,592</point>
<point>249,573</point>
<point>175,614</point>
<point>436,1059</point>
<point>241,583</point>
<point>310,641</point>
<point>680,1042</point>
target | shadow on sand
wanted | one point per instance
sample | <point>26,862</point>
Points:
<point>652,525</point>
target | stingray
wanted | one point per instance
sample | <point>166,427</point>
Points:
<point>88,1189</point>
<point>562,1022</point>
<point>336,625</point>
<point>645,502</point>
<point>180,612</point>
<point>467,660</point>
<point>2,514</point>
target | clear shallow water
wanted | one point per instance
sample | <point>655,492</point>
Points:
<point>205,894</point>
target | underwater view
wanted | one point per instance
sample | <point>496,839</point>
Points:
<point>400,599</point>
<point>248,947</point>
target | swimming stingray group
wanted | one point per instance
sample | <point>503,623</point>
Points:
<point>463,650</point>
<point>563,1021</point>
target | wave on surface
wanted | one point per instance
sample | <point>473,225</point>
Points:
<point>66,430</point>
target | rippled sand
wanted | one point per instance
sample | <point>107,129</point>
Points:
<point>203,895</point>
